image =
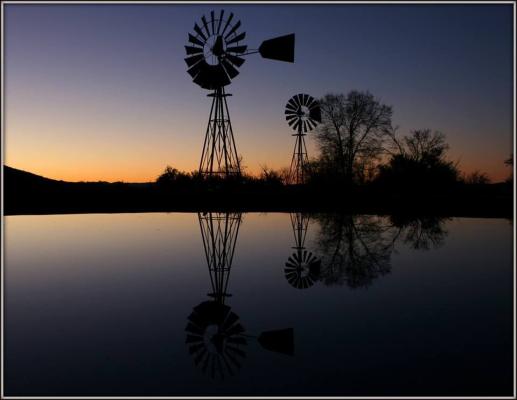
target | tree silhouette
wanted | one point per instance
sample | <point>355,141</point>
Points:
<point>417,161</point>
<point>352,132</point>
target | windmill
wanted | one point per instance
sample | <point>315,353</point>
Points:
<point>302,113</point>
<point>216,337</point>
<point>214,55</point>
<point>302,268</point>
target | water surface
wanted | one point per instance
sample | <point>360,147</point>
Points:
<point>186,304</point>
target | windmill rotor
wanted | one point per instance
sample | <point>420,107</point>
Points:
<point>302,112</point>
<point>215,49</point>
<point>302,269</point>
<point>215,338</point>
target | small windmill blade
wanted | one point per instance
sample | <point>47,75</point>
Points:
<point>280,48</point>
<point>205,25</point>
<point>194,59</point>
<point>193,50</point>
<point>220,21</point>
<point>237,38</point>
<point>194,40</point>
<point>235,60</point>
<point>212,20</point>
<point>198,30</point>
<point>230,69</point>
<point>227,23</point>
<point>234,29</point>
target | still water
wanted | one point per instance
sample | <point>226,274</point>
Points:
<point>257,304</point>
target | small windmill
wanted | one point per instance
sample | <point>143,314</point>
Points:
<point>214,56</point>
<point>302,113</point>
<point>302,268</point>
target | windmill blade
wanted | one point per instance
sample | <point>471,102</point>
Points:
<point>230,69</point>
<point>305,126</point>
<point>305,99</point>
<point>212,76</point>
<point>231,319</point>
<point>300,99</point>
<point>194,40</point>
<point>236,49</point>
<point>205,24</point>
<point>291,107</point>
<point>290,113</point>
<point>227,23</point>
<point>193,50</point>
<point>279,48</point>
<point>292,122</point>
<point>199,32</point>
<point>220,21</point>
<point>279,341</point>
<point>194,59</point>
<point>290,110</point>
<point>237,38</point>
<point>235,60</point>
<point>196,68</point>
<point>295,127</point>
<point>234,29</point>
<point>200,356</point>
<point>312,124</point>
<point>296,101</point>
<point>292,103</point>
<point>290,117</point>
<point>212,16</point>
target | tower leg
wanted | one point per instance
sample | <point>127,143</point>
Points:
<point>300,161</point>
<point>219,156</point>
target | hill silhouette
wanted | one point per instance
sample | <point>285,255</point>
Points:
<point>28,193</point>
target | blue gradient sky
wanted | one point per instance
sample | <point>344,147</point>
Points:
<point>100,92</point>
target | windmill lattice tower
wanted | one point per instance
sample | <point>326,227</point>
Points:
<point>214,55</point>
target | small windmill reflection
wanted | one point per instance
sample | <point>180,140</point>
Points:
<point>302,269</point>
<point>215,336</point>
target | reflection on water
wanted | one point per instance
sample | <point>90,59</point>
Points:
<point>97,304</point>
<point>216,337</point>
<point>356,250</point>
<point>302,268</point>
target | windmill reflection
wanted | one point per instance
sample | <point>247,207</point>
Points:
<point>302,269</point>
<point>216,338</point>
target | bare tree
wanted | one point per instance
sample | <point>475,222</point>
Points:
<point>421,145</point>
<point>352,131</point>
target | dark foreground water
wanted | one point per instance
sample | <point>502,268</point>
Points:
<point>257,304</point>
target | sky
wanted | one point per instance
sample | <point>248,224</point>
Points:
<point>100,91</point>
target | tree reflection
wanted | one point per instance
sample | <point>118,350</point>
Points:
<point>356,249</point>
<point>421,233</point>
